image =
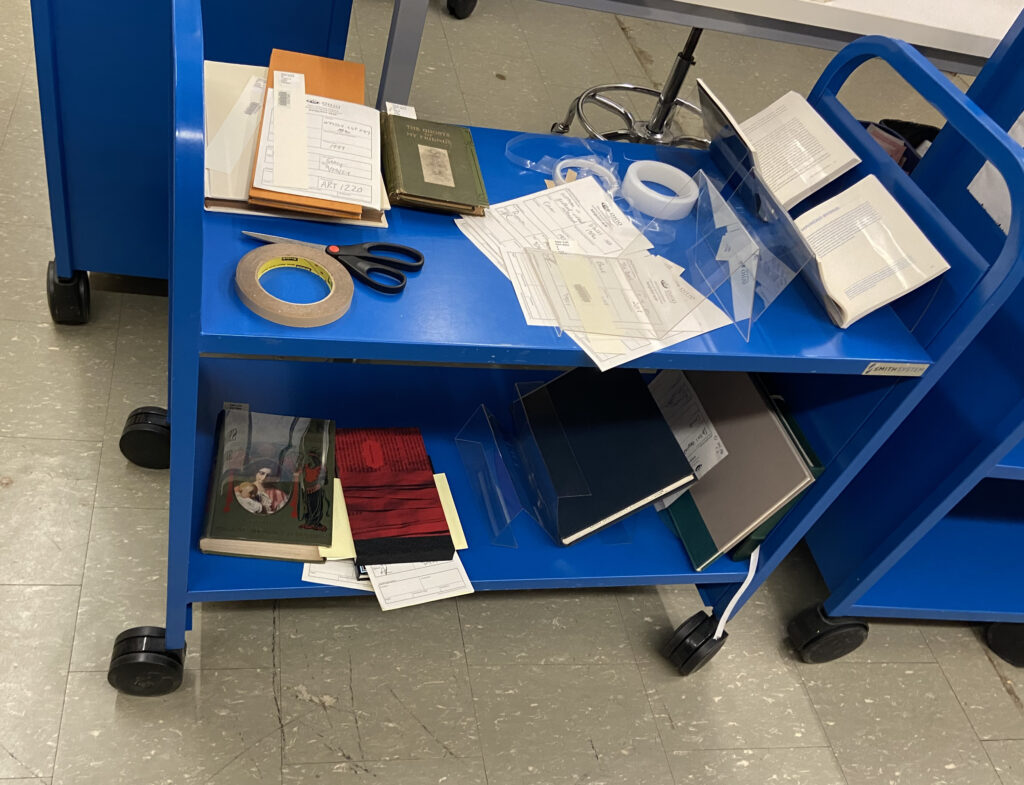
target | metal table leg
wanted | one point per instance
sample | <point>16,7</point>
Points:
<point>407,21</point>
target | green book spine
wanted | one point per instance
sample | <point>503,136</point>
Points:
<point>685,520</point>
<point>431,165</point>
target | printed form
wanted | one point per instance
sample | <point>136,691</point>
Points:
<point>342,151</point>
<point>402,585</point>
<point>579,215</point>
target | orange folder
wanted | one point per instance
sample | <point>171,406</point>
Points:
<point>337,79</point>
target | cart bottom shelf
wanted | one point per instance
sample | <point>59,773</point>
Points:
<point>641,550</point>
<point>968,567</point>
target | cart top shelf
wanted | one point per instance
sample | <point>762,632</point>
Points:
<point>461,309</point>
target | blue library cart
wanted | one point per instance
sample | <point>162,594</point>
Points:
<point>105,97</point>
<point>455,339</point>
<point>933,527</point>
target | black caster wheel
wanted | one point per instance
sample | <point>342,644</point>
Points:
<point>1007,641</point>
<point>693,643</point>
<point>68,298</point>
<point>140,664</point>
<point>146,438</point>
<point>460,9</point>
<point>817,638</point>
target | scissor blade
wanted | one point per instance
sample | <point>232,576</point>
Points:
<point>273,238</point>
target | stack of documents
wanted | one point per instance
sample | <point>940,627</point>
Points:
<point>577,263</point>
<point>312,156</point>
<point>395,585</point>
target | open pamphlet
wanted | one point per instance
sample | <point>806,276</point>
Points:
<point>869,251</point>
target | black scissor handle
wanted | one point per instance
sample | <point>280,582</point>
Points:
<point>407,258</point>
<point>364,268</point>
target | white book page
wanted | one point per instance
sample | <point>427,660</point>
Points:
<point>795,150</point>
<point>869,251</point>
<point>342,152</point>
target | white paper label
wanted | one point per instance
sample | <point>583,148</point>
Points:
<point>291,165</point>
<point>690,424</point>
<point>436,166</point>
<point>400,110</point>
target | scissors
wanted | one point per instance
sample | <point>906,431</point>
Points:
<point>365,260</point>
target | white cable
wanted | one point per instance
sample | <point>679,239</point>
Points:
<point>587,166</point>
<point>646,200</point>
<point>739,593</point>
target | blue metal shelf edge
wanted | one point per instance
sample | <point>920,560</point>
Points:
<point>460,309</point>
<point>1012,466</point>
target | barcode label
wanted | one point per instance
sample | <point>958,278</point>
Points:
<point>437,168</point>
<point>253,107</point>
<point>284,99</point>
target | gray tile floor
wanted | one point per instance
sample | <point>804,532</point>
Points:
<point>534,688</point>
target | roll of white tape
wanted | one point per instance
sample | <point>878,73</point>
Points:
<point>646,200</point>
<point>261,260</point>
<point>587,166</point>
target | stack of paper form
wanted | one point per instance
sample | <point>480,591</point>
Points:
<point>576,262</point>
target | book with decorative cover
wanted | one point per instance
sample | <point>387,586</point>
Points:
<point>432,166</point>
<point>272,487</point>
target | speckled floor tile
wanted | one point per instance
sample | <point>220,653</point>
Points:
<point>494,28</point>
<point>992,704</point>
<point>234,634</point>
<point>220,727</point>
<point>749,696</point>
<point>1008,758</point>
<point>560,724</point>
<point>38,623</point>
<point>25,250</point>
<point>123,484</point>
<point>804,766</point>
<point>450,771</point>
<point>543,628</point>
<point>142,340</point>
<point>897,723</point>
<point>124,584</point>
<point>46,492</point>
<point>56,380</point>
<point>360,684</point>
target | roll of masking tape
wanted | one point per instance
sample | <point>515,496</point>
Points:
<point>586,167</point>
<point>258,262</point>
<point>646,200</point>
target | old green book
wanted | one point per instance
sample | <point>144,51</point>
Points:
<point>432,166</point>
<point>272,487</point>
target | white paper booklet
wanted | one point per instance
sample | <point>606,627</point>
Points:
<point>795,151</point>
<point>869,251</point>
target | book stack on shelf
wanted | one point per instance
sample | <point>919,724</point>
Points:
<point>293,139</point>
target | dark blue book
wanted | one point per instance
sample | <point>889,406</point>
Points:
<point>596,448</point>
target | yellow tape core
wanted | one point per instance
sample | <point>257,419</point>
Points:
<point>298,262</point>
